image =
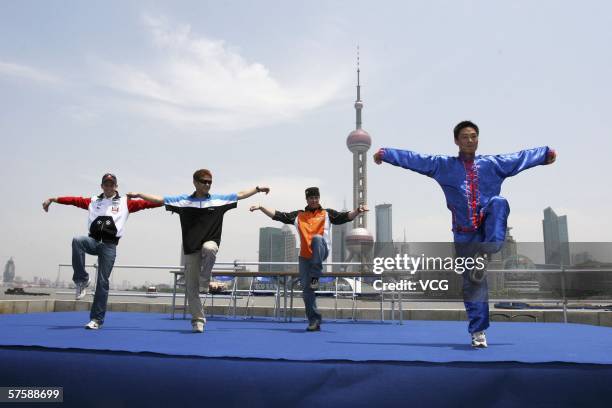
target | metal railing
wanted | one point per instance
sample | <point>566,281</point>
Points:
<point>285,286</point>
<point>236,271</point>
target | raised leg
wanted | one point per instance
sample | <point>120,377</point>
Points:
<point>81,246</point>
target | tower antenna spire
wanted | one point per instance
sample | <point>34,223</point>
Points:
<point>358,87</point>
<point>358,102</point>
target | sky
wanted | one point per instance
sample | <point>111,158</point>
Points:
<point>262,93</point>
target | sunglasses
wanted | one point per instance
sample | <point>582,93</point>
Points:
<point>201,181</point>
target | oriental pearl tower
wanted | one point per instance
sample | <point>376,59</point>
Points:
<point>359,241</point>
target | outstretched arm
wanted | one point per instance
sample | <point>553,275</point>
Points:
<point>284,217</point>
<point>357,211</point>
<point>247,193</point>
<point>511,164</point>
<point>148,197</point>
<point>338,218</point>
<point>421,163</point>
<point>80,202</point>
<point>268,211</point>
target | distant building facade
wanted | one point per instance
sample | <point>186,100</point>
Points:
<point>339,250</point>
<point>9,271</point>
<point>277,245</point>
<point>556,238</point>
<point>384,223</point>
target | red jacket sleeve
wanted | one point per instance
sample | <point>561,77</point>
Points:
<point>80,202</point>
<point>137,205</point>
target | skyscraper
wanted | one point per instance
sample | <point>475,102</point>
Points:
<point>339,251</point>
<point>290,252</point>
<point>556,238</point>
<point>384,223</point>
<point>9,271</point>
<point>271,248</point>
<point>277,245</point>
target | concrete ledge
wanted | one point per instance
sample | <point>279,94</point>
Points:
<point>64,306</point>
<point>583,317</point>
<point>435,314</point>
<point>39,306</point>
<point>117,307</point>
<point>137,307</point>
<point>159,308</point>
<point>82,306</point>
<point>591,317</point>
<point>553,316</point>
<point>20,306</point>
<point>518,316</point>
<point>6,306</point>
<point>605,318</point>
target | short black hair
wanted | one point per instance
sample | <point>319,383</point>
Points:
<point>312,192</point>
<point>464,124</point>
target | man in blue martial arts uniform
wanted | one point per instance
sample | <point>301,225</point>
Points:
<point>472,185</point>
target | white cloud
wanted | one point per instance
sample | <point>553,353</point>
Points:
<point>27,72</point>
<point>199,81</point>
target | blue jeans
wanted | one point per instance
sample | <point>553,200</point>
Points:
<point>106,259</point>
<point>312,268</point>
<point>488,239</point>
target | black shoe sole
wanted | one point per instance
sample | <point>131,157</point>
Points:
<point>316,328</point>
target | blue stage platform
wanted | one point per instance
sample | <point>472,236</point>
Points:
<point>144,359</point>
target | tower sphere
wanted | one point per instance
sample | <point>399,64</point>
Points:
<point>359,141</point>
<point>358,238</point>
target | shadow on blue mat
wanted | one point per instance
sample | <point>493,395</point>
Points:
<point>454,346</point>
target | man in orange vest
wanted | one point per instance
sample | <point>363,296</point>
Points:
<point>313,224</point>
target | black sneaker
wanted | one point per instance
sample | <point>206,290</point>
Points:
<point>314,326</point>
<point>314,283</point>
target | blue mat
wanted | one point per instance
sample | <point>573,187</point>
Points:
<point>141,359</point>
<point>414,341</point>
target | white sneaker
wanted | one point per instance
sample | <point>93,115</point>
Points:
<point>81,289</point>
<point>93,325</point>
<point>479,340</point>
<point>198,326</point>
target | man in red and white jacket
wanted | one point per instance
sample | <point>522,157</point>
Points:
<point>108,213</point>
